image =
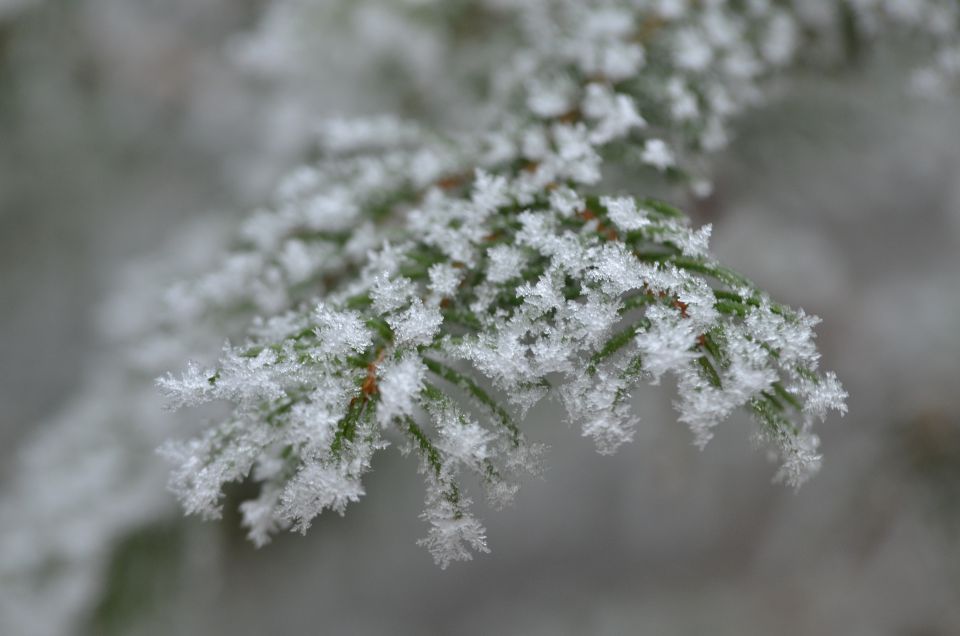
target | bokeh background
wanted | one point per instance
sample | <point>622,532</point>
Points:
<point>134,133</point>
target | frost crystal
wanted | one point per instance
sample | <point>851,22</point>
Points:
<point>400,382</point>
<point>452,534</point>
<point>624,213</point>
<point>658,154</point>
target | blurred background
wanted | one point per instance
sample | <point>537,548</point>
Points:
<point>133,135</point>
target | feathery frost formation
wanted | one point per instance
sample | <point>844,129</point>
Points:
<point>427,289</point>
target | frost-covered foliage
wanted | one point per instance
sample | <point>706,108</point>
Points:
<point>426,289</point>
<point>86,478</point>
